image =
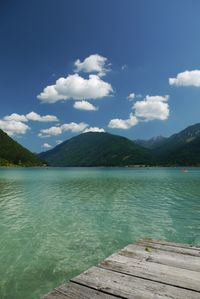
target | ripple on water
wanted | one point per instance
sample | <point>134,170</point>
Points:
<point>55,223</point>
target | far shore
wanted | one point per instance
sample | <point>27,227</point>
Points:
<point>125,167</point>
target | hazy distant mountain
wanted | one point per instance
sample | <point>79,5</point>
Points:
<point>175,141</point>
<point>97,149</point>
<point>12,153</point>
<point>151,143</point>
<point>181,148</point>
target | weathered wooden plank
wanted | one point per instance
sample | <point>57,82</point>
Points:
<point>180,245</point>
<point>149,269</point>
<point>71,290</point>
<point>76,291</point>
<point>55,295</point>
<point>131,287</point>
<point>161,257</point>
<point>166,247</point>
<point>153,271</point>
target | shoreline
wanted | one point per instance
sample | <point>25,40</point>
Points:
<point>92,167</point>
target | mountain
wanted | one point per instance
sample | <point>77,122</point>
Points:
<point>178,140</point>
<point>151,143</point>
<point>182,148</point>
<point>187,154</point>
<point>97,149</point>
<point>12,153</point>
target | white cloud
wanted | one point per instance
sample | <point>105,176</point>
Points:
<point>58,130</point>
<point>93,64</point>
<point>51,95</point>
<point>94,129</point>
<point>125,124</point>
<point>14,124</point>
<point>13,127</point>
<point>77,88</point>
<point>59,141</point>
<point>46,146</point>
<point>36,117</point>
<point>84,105</point>
<point>156,98</point>
<point>16,117</point>
<point>124,66</point>
<point>187,78</point>
<point>30,116</point>
<point>53,131</point>
<point>152,108</point>
<point>74,127</point>
<point>131,96</point>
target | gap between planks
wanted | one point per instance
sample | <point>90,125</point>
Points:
<point>147,269</point>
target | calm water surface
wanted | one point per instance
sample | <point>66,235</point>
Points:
<point>55,223</point>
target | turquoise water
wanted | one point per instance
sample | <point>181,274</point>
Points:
<point>55,223</point>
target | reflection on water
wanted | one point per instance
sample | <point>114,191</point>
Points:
<point>55,223</point>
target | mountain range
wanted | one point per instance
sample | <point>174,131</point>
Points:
<point>97,149</point>
<point>105,149</point>
<point>182,148</point>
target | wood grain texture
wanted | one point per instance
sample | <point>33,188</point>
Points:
<point>180,245</point>
<point>162,257</point>
<point>194,251</point>
<point>76,291</point>
<point>157,272</point>
<point>130,287</point>
<point>55,295</point>
<point>148,269</point>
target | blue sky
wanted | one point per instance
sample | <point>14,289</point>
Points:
<point>98,52</point>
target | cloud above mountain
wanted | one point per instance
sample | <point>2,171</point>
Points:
<point>124,124</point>
<point>58,130</point>
<point>33,116</point>
<point>81,89</point>
<point>70,127</point>
<point>15,124</point>
<point>13,127</point>
<point>148,109</point>
<point>77,88</point>
<point>152,108</point>
<point>46,145</point>
<point>94,129</point>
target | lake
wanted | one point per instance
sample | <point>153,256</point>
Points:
<point>57,222</point>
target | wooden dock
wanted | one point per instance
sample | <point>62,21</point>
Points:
<point>147,269</point>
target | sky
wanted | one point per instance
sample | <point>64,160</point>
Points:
<point>127,67</point>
